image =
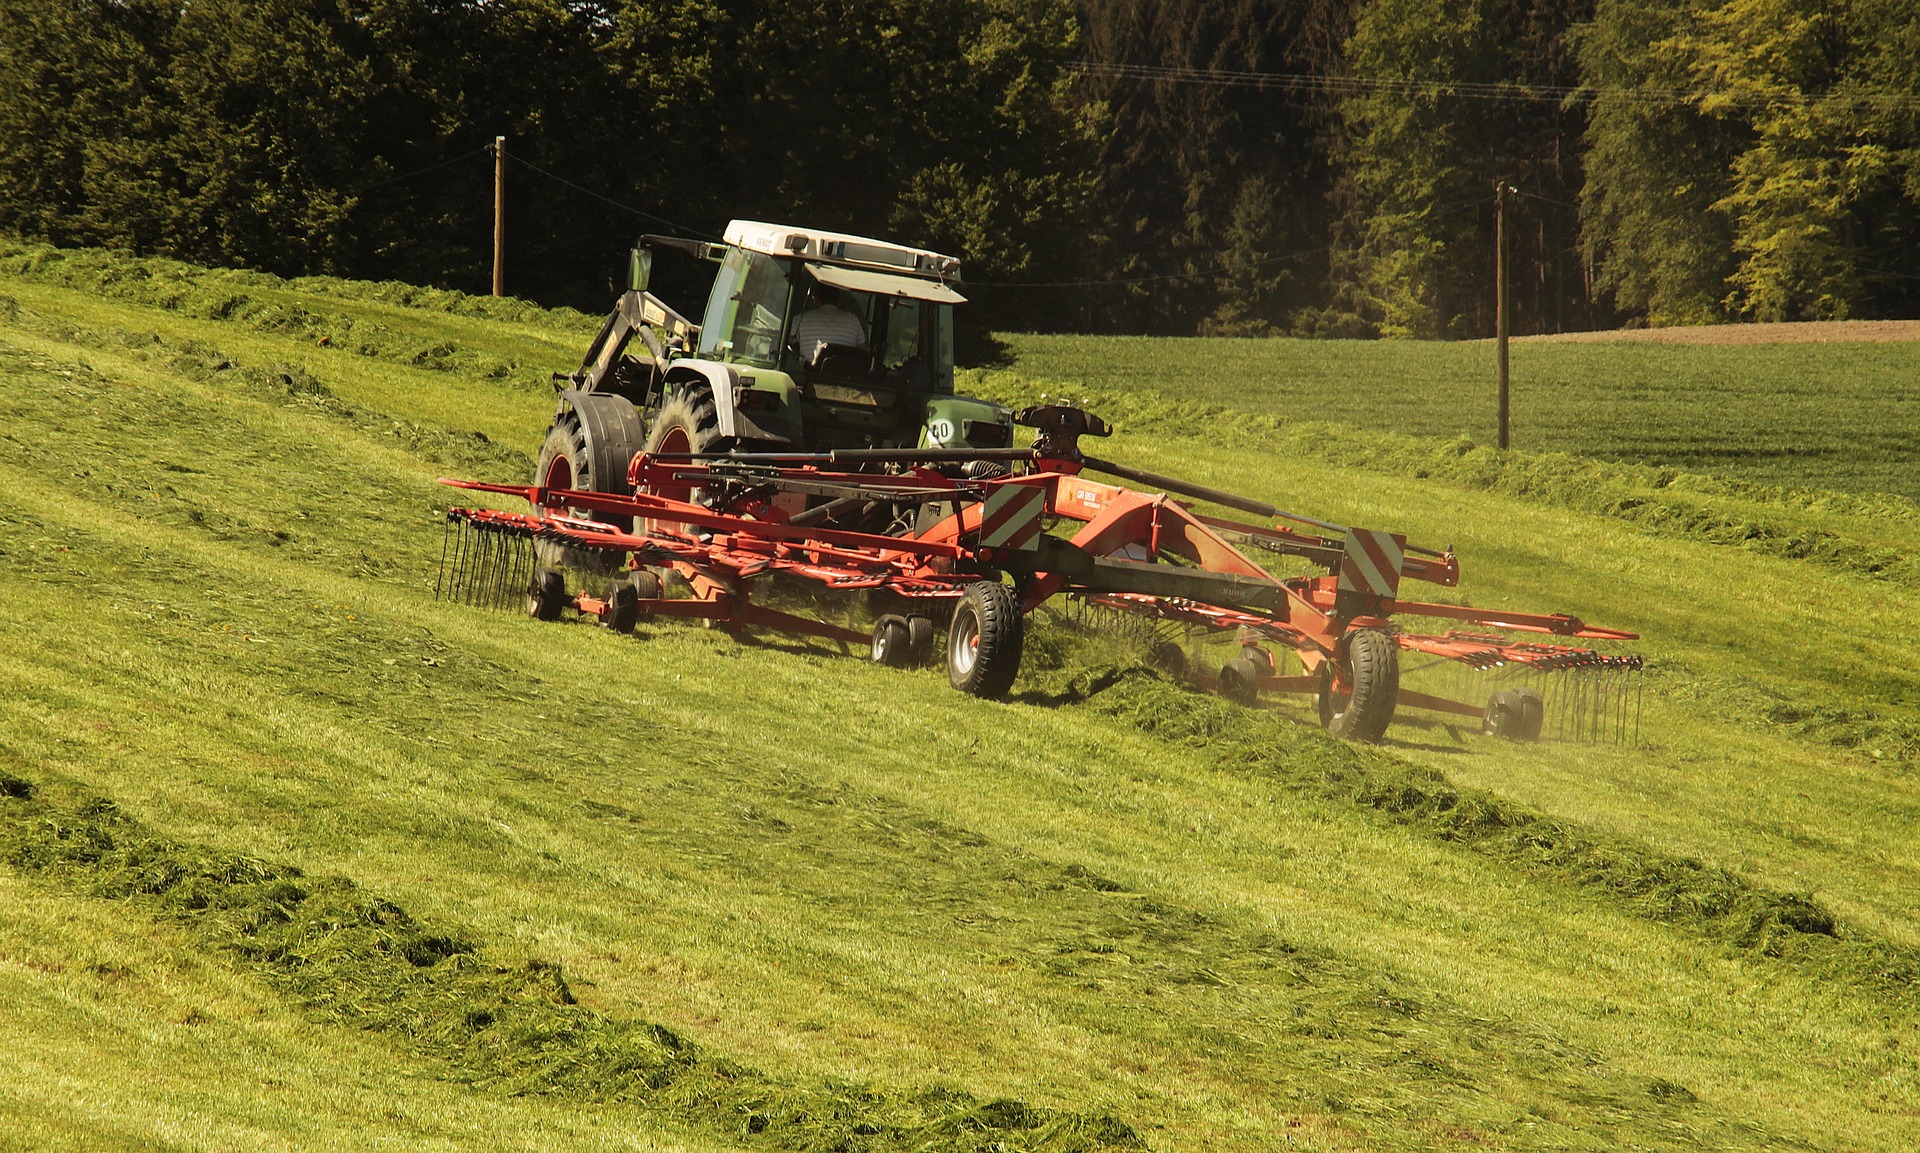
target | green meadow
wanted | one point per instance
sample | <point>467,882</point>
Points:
<point>295,856</point>
<point>1832,416</point>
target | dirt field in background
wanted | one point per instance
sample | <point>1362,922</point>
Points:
<point>1809,332</point>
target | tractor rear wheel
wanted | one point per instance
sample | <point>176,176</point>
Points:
<point>568,461</point>
<point>985,640</point>
<point>1373,671</point>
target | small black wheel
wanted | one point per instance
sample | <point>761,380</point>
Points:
<point>647,587</point>
<point>1373,671</point>
<point>1240,681</point>
<point>985,640</point>
<point>547,594</point>
<point>1516,714</point>
<point>1168,657</point>
<point>892,642</point>
<point>919,639</point>
<point>623,606</point>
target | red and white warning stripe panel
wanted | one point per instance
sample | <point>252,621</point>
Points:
<point>1372,562</point>
<point>1012,516</point>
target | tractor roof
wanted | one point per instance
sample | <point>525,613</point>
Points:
<point>840,248</point>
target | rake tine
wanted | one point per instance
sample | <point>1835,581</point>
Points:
<point>483,570</point>
<point>496,557</point>
<point>462,548</point>
<point>446,534</point>
<point>477,562</point>
<point>518,573</point>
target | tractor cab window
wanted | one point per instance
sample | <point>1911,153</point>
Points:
<point>903,344</point>
<point>748,309</point>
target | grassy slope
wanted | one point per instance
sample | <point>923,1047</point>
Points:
<point>217,593</point>
<point>1798,414</point>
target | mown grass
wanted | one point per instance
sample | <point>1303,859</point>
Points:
<point>1110,897</point>
<point>1800,415</point>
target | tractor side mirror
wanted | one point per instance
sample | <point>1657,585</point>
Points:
<point>639,269</point>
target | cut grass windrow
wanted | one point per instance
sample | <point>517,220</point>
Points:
<point>356,960</point>
<point>1767,519</point>
<point>1691,895</point>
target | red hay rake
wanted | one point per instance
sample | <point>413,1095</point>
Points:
<point>971,542</point>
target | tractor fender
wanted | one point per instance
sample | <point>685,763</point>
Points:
<point>724,382</point>
<point>612,428</point>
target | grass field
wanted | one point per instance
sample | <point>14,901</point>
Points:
<point>1802,415</point>
<point>296,857</point>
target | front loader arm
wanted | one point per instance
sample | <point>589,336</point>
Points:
<point>636,313</point>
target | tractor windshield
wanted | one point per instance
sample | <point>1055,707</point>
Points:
<point>832,323</point>
<point>747,312</point>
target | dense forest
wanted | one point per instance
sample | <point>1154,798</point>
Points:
<point>1319,167</point>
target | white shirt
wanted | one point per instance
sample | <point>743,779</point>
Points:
<point>827,324</point>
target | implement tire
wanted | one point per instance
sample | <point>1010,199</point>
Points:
<point>985,640</point>
<point>1516,714</point>
<point>1240,681</point>
<point>892,642</point>
<point>1373,669</point>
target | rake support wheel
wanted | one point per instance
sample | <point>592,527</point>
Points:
<point>892,642</point>
<point>985,640</point>
<point>623,606</point>
<point>1373,670</point>
<point>1515,714</point>
<point>547,594</point>
<point>919,639</point>
<point>1240,681</point>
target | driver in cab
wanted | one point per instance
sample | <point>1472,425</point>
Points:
<point>825,322</point>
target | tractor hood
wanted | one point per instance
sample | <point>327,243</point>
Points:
<point>884,284</point>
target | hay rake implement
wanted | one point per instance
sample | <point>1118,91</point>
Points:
<point>961,546</point>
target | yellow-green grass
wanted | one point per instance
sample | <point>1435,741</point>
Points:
<point>1823,415</point>
<point>831,871</point>
<point>121,1035</point>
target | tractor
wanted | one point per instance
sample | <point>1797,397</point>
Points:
<point>810,341</point>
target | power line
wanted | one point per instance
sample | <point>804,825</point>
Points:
<point>610,200</point>
<point>1220,270</point>
<point>419,171</point>
<point>1312,84</point>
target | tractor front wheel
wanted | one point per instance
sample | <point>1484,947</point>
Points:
<point>688,421</point>
<point>1373,673</point>
<point>985,640</point>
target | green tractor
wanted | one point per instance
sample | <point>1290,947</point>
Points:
<point>810,341</point>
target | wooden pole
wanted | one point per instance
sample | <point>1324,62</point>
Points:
<point>499,216</point>
<point>1500,190</point>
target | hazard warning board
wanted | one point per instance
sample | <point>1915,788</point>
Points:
<point>1372,562</point>
<point>1013,516</point>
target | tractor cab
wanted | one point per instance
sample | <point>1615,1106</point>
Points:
<point>863,328</point>
<point>810,341</point>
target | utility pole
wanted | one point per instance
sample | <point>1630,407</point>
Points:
<point>500,223</point>
<point>1501,190</point>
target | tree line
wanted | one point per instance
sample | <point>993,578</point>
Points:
<point>1318,167</point>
